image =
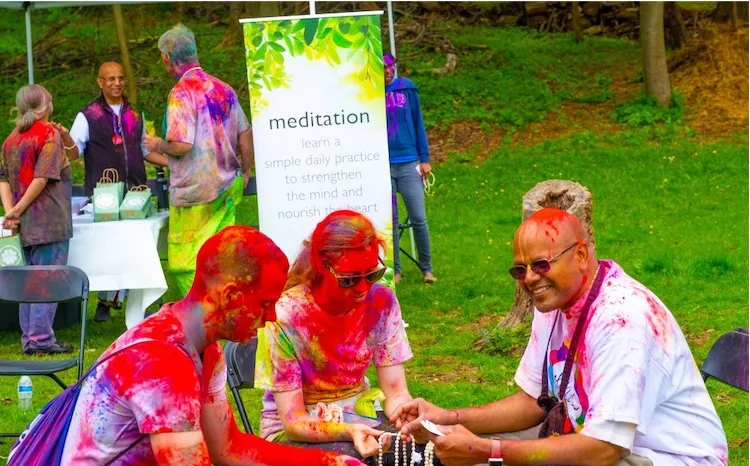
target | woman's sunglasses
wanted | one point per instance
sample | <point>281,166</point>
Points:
<point>540,267</point>
<point>348,281</point>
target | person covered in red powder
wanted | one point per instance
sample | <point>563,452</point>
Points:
<point>333,321</point>
<point>161,398</point>
<point>607,377</point>
<point>35,190</point>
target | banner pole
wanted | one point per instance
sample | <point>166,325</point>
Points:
<point>391,35</point>
<point>312,7</point>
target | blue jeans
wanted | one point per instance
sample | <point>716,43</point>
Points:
<point>36,319</point>
<point>406,180</point>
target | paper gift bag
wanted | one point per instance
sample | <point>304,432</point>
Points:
<point>112,176</point>
<point>11,250</point>
<point>108,196</point>
<point>137,203</point>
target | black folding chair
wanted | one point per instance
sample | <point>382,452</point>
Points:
<point>402,227</point>
<point>38,284</point>
<point>727,359</point>
<point>252,187</point>
<point>241,373</point>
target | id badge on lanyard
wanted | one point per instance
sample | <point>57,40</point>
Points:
<point>117,124</point>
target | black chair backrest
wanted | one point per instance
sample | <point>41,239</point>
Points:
<point>241,363</point>
<point>42,284</point>
<point>727,359</point>
<point>252,187</point>
<point>47,284</point>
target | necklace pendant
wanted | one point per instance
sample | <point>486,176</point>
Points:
<point>117,139</point>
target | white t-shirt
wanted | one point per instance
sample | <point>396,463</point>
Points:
<point>80,131</point>
<point>634,382</point>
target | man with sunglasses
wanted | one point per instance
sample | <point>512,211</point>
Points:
<point>108,133</point>
<point>607,377</point>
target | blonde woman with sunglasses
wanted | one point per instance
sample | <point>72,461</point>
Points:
<point>333,321</point>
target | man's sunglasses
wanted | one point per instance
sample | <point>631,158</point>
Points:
<point>348,281</point>
<point>113,79</point>
<point>540,267</point>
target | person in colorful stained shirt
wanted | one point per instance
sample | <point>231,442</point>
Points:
<point>632,394</point>
<point>35,188</point>
<point>333,321</point>
<point>409,155</point>
<point>108,133</point>
<point>161,397</point>
<point>209,146</point>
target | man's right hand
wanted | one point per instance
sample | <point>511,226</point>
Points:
<point>408,417</point>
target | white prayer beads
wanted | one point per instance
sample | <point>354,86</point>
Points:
<point>401,458</point>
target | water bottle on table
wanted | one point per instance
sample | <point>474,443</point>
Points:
<point>25,393</point>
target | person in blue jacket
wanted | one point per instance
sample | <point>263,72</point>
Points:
<point>409,156</point>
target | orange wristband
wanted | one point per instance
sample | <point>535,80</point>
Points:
<point>458,416</point>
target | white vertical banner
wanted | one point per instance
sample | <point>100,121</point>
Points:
<point>317,96</point>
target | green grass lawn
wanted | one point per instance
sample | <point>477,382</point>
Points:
<point>669,206</point>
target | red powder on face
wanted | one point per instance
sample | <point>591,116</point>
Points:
<point>351,262</point>
<point>256,270</point>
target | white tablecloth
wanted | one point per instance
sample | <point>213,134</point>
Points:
<point>122,255</point>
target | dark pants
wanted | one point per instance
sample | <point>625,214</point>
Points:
<point>36,319</point>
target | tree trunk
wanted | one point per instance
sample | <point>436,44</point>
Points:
<point>233,35</point>
<point>655,74</point>
<point>674,34</point>
<point>577,21</point>
<point>124,55</point>
<point>734,15</point>
<point>252,10</point>
<point>270,9</point>
<point>566,195</point>
<point>677,14</point>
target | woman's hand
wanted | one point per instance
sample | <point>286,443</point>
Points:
<point>365,439</point>
<point>425,169</point>
<point>12,219</point>
<point>60,128</point>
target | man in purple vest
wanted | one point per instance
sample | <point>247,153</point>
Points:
<point>109,133</point>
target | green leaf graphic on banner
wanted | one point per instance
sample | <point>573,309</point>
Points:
<point>341,41</point>
<point>356,39</point>
<point>311,26</point>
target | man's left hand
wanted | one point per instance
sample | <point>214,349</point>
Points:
<point>152,143</point>
<point>458,447</point>
<point>425,169</point>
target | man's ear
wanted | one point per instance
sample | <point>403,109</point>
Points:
<point>229,293</point>
<point>582,253</point>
